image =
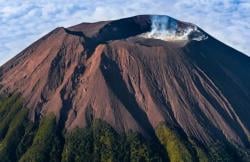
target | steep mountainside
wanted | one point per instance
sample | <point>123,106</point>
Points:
<point>153,75</point>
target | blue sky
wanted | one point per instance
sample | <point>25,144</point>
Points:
<point>24,21</point>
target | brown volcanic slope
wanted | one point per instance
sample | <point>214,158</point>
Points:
<point>104,70</point>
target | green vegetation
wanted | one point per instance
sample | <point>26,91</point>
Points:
<point>12,127</point>
<point>176,148</point>
<point>100,142</point>
<point>106,145</point>
<point>202,156</point>
<point>27,138</point>
<point>78,146</point>
<point>224,151</point>
<point>24,141</point>
<point>43,141</point>
<point>13,137</point>
<point>8,110</point>
<point>20,138</point>
<point>142,150</point>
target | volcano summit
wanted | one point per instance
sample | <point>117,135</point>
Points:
<point>144,88</point>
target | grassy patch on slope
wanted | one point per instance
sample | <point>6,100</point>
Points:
<point>174,145</point>
<point>43,141</point>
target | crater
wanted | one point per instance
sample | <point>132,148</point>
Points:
<point>170,29</point>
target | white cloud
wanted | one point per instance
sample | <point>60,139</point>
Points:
<point>22,22</point>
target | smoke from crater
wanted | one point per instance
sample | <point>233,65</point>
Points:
<point>169,29</point>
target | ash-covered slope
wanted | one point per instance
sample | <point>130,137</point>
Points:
<point>136,73</point>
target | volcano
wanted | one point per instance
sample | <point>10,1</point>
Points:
<point>143,88</point>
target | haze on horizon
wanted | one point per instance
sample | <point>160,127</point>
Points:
<point>23,22</point>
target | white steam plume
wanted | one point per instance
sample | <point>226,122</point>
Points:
<point>169,29</point>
